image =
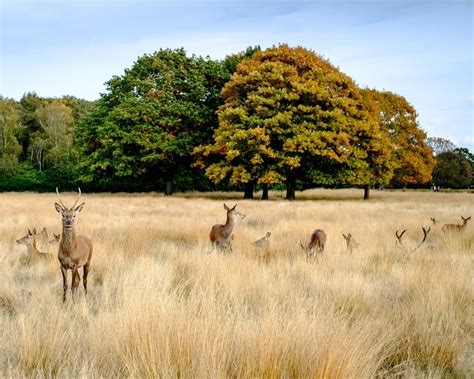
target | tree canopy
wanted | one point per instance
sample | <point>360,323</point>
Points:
<point>413,158</point>
<point>150,118</point>
<point>287,114</point>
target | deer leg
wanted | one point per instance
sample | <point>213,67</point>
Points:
<point>64,274</point>
<point>84,277</point>
<point>75,282</point>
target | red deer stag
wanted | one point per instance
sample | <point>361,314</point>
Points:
<point>221,235</point>
<point>316,244</point>
<point>454,227</point>
<point>74,251</point>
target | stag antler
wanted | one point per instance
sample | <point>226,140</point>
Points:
<point>62,204</point>
<point>425,234</point>
<point>399,236</point>
<point>77,200</point>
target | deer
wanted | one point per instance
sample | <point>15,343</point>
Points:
<point>316,244</point>
<point>221,234</point>
<point>263,243</point>
<point>30,241</point>
<point>350,242</point>
<point>55,240</point>
<point>454,227</point>
<point>399,236</point>
<point>74,251</point>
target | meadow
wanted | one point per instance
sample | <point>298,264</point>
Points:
<point>162,304</point>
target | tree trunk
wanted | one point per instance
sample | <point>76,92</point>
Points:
<point>290,188</point>
<point>248,191</point>
<point>169,187</point>
<point>265,192</point>
<point>366,192</point>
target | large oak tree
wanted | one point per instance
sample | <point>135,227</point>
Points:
<point>289,114</point>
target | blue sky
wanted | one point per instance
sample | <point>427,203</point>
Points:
<point>422,50</point>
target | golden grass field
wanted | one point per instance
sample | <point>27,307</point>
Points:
<point>160,304</point>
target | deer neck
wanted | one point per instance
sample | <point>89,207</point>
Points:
<point>32,250</point>
<point>68,240</point>
<point>229,226</point>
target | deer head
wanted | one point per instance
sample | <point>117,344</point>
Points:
<point>28,239</point>
<point>68,214</point>
<point>56,238</point>
<point>233,214</point>
<point>434,220</point>
<point>351,243</point>
<point>465,220</point>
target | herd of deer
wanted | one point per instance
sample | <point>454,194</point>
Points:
<point>75,251</point>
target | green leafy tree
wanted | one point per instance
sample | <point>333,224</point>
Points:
<point>289,114</point>
<point>150,118</point>
<point>412,156</point>
<point>10,149</point>
<point>453,170</point>
<point>54,142</point>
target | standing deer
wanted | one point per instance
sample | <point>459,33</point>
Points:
<point>263,243</point>
<point>350,242</point>
<point>221,235</point>
<point>454,227</point>
<point>316,244</point>
<point>30,241</point>
<point>74,251</point>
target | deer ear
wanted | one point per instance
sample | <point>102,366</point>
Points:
<point>234,207</point>
<point>29,232</point>
<point>269,234</point>
<point>79,207</point>
<point>226,207</point>
<point>302,246</point>
<point>58,207</point>
<point>34,231</point>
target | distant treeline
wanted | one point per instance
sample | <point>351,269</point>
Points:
<point>283,118</point>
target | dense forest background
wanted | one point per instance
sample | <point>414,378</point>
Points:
<point>283,118</point>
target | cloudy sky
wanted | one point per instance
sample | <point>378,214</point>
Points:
<point>422,50</point>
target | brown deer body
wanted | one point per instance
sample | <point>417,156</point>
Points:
<point>30,241</point>
<point>316,244</point>
<point>74,251</point>
<point>454,227</point>
<point>263,243</point>
<point>221,234</point>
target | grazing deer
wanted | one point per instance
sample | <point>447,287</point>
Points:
<point>434,220</point>
<point>400,235</point>
<point>425,234</point>
<point>74,251</point>
<point>221,235</point>
<point>263,243</point>
<point>316,244</point>
<point>30,241</point>
<point>350,242</point>
<point>454,227</point>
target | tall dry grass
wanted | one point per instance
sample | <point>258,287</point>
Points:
<point>162,305</point>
